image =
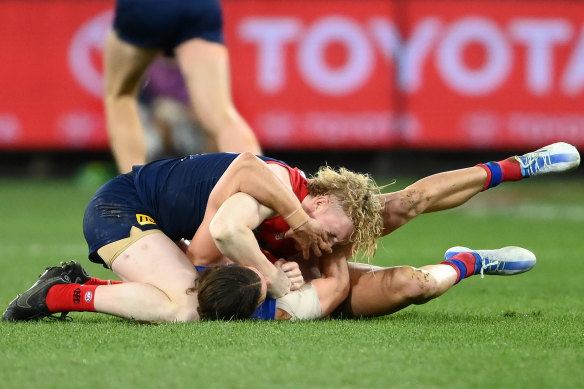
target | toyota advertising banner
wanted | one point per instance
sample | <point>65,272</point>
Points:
<point>317,74</point>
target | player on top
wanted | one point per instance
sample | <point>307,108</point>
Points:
<point>132,223</point>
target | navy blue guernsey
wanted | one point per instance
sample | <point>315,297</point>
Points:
<point>170,195</point>
<point>176,191</point>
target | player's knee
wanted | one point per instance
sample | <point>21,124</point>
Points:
<point>182,310</point>
<point>180,306</point>
<point>185,314</point>
<point>415,285</point>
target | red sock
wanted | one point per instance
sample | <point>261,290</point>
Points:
<point>511,169</point>
<point>506,170</point>
<point>71,297</point>
<point>463,263</point>
<point>97,281</point>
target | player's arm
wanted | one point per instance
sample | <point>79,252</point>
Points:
<point>334,284</point>
<point>430,194</point>
<point>319,297</point>
<point>270,185</point>
<point>232,232</point>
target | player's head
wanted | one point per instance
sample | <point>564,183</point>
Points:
<point>229,292</point>
<point>355,195</point>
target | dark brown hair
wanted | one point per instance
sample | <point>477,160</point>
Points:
<point>228,293</point>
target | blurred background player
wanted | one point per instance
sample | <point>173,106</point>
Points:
<point>191,30</point>
<point>170,127</point>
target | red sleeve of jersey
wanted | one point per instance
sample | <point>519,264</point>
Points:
<point>270,234</point>
<point>297,179</point>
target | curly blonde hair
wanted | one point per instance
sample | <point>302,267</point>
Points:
<point>357,196</point>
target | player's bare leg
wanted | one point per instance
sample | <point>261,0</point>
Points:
<point>124,66</point>
<point>379,291</point>
<point>156,275</point>
<point>205,67</point>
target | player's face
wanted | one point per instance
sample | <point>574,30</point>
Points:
<point>264,284</point>
<point>335,222</point>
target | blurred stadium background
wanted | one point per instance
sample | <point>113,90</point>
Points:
<point>388,87</point>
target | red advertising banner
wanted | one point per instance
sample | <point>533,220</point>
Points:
<point>429,74</point>
<point>315,75</point>
<point>50,74</point>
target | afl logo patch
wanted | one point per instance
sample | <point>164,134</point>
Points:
<point>88,296</point>
<point>144,219</point>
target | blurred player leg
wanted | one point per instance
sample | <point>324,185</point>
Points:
<point>205,66</point>
<point>124,66</point>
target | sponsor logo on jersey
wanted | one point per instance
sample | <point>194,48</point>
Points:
<point>144,219</point>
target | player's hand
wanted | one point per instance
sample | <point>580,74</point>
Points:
<point>310,236</point>
<point>292,271</point>
<point>278,283</point>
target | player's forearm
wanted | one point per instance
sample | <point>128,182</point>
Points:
<point>334,284</point>
<point>260,182</point>
<point>231,231</point>
<point>430,194</point>
<point>453,188</point>
<point>237,242</point>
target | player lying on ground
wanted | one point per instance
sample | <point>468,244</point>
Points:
<point>132,222</point>
<point>375,291</point>
<point>394,288</point>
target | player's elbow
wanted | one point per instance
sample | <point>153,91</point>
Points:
<point>246,161</point>
<point>224,231</point>
<point>220,229</point>
<point>248,156</point>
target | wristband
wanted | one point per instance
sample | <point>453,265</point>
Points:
<point>301,224</point>
<point>297,219</point>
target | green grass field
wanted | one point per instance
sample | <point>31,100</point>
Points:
<point>525,331</point>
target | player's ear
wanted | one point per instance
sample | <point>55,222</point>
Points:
<point>321,201</point>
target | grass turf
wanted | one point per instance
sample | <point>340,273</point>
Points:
<point>499,332</point>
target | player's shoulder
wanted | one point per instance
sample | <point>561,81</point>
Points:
<point>282,171</point>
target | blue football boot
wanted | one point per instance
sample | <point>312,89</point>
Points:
<point>504,262</point>
<point>555,158</point>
